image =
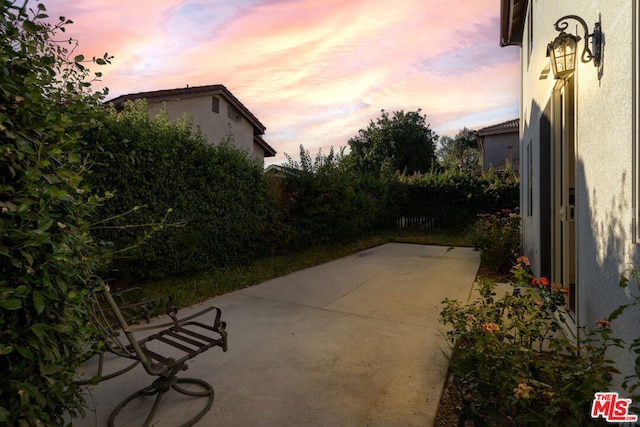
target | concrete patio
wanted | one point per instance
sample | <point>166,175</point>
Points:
<point>354,342</point>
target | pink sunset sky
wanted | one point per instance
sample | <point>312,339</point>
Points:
<point>314,72</point>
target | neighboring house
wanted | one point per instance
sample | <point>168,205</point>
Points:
<point>500,144</point>
<point>580,146</point>
<point>275,171</point>
<point>214,110</point>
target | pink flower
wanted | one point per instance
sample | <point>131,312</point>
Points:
<point>534,282</point>
<point>523,260</point>
<point>539,303</point>
<point>560,288</point>
<point>604,323</point>
<point>544,281</point>
<point>490,327</point>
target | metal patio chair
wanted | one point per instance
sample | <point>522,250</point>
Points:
<point>135,307</point>
<point>181,340</point>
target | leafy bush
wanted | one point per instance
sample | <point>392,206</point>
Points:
<point>497,236</point>
<point>323,201</point>
<point>452,199</point>
<point>508,365</point>
<point>217,192</point>
<point>47,253</point>
<point>632,381</point>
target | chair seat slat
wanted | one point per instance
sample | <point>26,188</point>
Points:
<point>176,344</point>
<point>197,335</point>
<point>180,336</point>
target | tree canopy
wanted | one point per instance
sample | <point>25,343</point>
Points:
<point>460,152</point>
<point>398,142</point>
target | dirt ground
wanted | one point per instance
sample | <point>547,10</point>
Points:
<point>446,416</point>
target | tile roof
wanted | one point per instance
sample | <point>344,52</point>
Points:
<point>190,92</point>
<point>196,91</point>
<point>504,127</point>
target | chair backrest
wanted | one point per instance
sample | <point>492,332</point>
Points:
<point>107,323</point>
<point>117,323</point>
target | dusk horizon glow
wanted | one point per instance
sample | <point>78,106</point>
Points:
<point>314,72</point>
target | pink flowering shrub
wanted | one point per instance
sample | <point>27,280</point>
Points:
<point>497,237</point>
<point>509,364</point>
<point>550,296</point>
<point>630,280</point>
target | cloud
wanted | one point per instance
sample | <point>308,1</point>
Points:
<point>313,71</point>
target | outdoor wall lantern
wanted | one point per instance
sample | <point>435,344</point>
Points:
<point>563,50</point>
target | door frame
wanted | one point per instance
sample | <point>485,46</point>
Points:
<point>564,213</point>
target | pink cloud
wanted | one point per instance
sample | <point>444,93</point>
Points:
<point>117,26</point>
<point>313,71</point>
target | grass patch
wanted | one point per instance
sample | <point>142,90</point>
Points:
<point>202,286</point>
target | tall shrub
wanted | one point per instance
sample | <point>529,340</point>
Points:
<point>327,202</point>
<point>217,192</point>
<point>46,251</point>
<point>497,237</point>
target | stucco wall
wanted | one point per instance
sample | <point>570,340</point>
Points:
<point>496,150</point>
<point>215,126</point>
<point>606,147</point>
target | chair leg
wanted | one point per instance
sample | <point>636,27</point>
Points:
<point>159,388</point>
<point>99,377</point>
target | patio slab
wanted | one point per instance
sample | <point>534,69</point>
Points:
<point>352,342</point>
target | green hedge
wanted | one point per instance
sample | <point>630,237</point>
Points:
<point>321,201</point>
<point>47,255</point>
<point>454,199</point>
<point>232,213</point>
<point>217,194</point>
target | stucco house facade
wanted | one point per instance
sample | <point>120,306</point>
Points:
<point>214,109</point>
<point>579,154</point>
<point>500,145</point>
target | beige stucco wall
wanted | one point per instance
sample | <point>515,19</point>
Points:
<point>496,151</point>
<point>214,126</point>
<point>606,146</point>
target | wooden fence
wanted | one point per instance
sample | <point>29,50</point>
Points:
<point>415,222</point>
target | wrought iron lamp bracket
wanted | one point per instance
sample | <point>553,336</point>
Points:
<point>596,38</point>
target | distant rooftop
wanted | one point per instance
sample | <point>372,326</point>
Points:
<point>504,127</point>
<point>187,92</point>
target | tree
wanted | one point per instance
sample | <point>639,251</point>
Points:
<point>403,142</point>
<point>460,152</point>
<point>47,254</point>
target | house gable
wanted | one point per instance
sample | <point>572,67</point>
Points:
<point>500,144</point>
<point>214,109</point>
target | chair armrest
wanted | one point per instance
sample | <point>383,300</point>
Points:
<point>175,322</point>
